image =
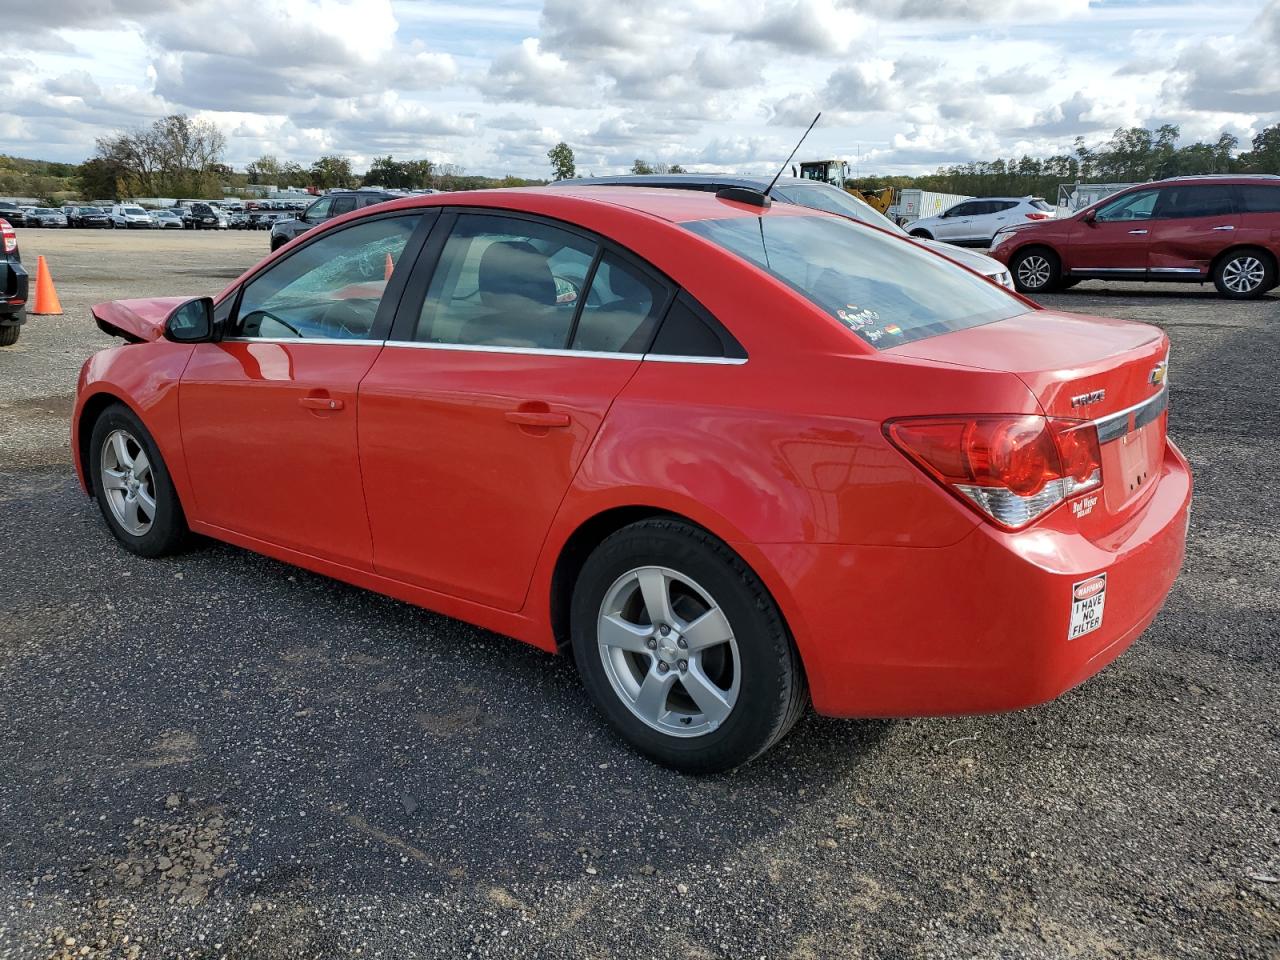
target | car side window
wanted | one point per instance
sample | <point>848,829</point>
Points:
<point>965,209</point>
<point>328,289</point>
<point>620,310</point>
<point>319,210</point>
<point>342,205</point>
<point>689,330</point>
<point>1255,198</point>
<point>1000,206</point>
<point>1132,206</point>
<point>1180,203</point>
<point>506,281</point>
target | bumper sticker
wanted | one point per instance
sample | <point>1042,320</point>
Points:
<point>1087,600</point>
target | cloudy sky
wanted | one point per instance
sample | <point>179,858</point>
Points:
<point>904,85</point>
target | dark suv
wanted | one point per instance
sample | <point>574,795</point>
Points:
<point>332,204</point>
<point>1224,229</point>
<point>13,287</point>
<point>11,212</point>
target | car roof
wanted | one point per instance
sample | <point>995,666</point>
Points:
<point>673,205</point>
<point>686,180</point>
<point>1222,178</point>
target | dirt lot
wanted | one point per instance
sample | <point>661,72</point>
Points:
<point>221,756</point>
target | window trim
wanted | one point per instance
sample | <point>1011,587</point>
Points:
<point>394,292</point>
<point>405,323</point>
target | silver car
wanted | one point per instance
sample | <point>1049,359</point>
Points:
<point>46,217</point>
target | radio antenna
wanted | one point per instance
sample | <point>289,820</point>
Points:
<point>792,154</point>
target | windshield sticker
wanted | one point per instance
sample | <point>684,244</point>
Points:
<point>856,318</point>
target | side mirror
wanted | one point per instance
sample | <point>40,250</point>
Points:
<point>1089,216</point>
<point>192,322</point>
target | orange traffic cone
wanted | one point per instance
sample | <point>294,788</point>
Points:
<point>390,268</point>
<point>47,303</point>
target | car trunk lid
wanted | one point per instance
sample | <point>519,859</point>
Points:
<point>1111,372</point>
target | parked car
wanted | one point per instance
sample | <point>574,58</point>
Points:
<point>12,214</point>
<point>238,220</point>
<point>128,215</point>
<point>813,194</point>
<point>1185,229</point>
<point>973,223</point>
<point>204,216</point>
<point>13,286</point>
<point>168,219</point>
<point>46,217</point>
<point>332,204</point>
<point>717,448</point>
<point>78,216</point>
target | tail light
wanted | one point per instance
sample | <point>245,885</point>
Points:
<point>1011,469</point>
<point>10,238</point>
<point>1038,216</point>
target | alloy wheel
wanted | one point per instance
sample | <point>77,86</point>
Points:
<point>669,651</point>
<point>1034,271</point>
<point>128,482</point>
<point>1243,274</point>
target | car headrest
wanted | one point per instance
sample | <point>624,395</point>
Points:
<point>513,268</point>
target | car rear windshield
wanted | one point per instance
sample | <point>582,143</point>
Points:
<point>887,291</point>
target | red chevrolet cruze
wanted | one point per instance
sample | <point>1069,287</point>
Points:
<point>1219,229</point>
<point>736,456</point>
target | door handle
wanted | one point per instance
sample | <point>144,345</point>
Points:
<point>320,403</point>
<point>1137,232</point>
<point>537,418</point>
<point>1224,228</point>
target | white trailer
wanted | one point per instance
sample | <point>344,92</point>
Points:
<point>913,204</point>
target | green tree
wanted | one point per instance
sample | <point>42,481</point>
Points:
<point>332,171</point>
<point>640,167</point>
<point>563,166</point>
<point>1265,155</point>
<point>266,169</point>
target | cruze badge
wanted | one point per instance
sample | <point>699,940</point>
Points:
<point>1084,399</point>
<point>1159,372</point>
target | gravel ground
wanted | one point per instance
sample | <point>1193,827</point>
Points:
<point>221,756</point>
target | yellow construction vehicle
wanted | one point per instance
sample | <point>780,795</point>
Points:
<point>836,173</point>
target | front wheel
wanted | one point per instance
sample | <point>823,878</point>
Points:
<point>1244,274</point>
<point>132,485</point>
<point>683,650</point>
<point>1036,271</point>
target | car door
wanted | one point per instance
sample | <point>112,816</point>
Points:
<point>955,223</point>
<point>1192,225</point>
<point>1114,243</point>
<point>1000,215</point>
<point>268,414</point>
<point>513,340</point>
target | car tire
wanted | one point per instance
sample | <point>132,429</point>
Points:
<point>129,479</point>
<point>922,234</point>
<point>9,335</point>
<point>1036,270</point>
<point>277,243</point>
<point>702,686</point>
<point>1244,274</point>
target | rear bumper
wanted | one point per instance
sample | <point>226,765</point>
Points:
<point>980,626</point>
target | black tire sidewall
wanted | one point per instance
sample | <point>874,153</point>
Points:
<point>765,656</point>
<point>169,527</point>
<point>1268,276</point>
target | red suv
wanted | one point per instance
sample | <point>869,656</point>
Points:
<point>1192,229</point>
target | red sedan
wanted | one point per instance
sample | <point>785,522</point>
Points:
<point>737,457</point>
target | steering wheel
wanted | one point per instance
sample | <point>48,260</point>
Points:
<point>266,314</point>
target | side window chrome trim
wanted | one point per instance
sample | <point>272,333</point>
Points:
<point>547,352</point>
<point>300,340</point>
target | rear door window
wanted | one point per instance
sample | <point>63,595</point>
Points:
<point>1256,198</point>
<point>1181,203</point>
<point>883,289</point>
<point>621,308</point>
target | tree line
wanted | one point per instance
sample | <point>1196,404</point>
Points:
<point>177,156</point>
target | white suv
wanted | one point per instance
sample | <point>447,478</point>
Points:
<point>129,215</point>
<point>973,223</point>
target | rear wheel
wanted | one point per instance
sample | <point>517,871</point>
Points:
<point>1036,270</point>
<point>1245,274</point>
<point>9,335</point>
<point>922,234</point>
<point>682,649</point>
<point>132,485</point>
